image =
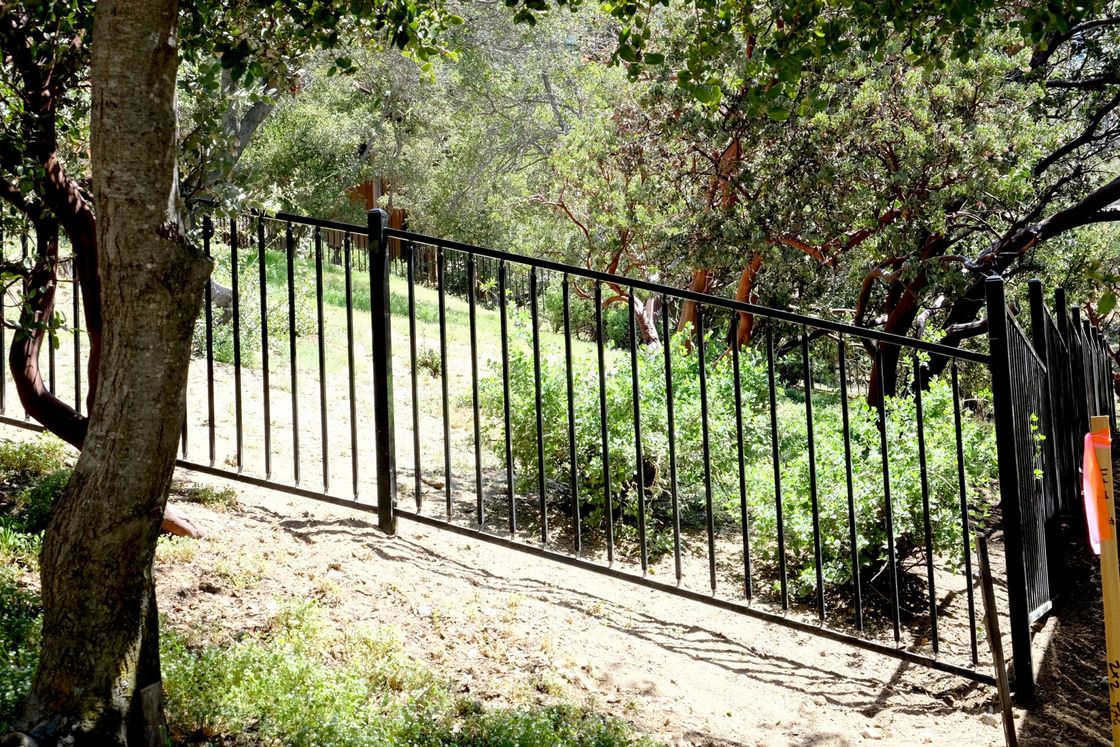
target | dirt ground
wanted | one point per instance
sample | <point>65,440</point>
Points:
<point>510,628</point>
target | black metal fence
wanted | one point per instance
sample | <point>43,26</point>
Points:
<point>609,423</point>
<point>766,480</point>
<point>1045,387</point>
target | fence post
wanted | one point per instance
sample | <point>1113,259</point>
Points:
<point>383,430</point>
<point>1007,454</point>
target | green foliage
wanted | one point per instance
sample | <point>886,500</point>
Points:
<point>722,422</point>
<point>34,505</point>
<point>34,475</point>
<point>428,361</point>
<point>249,303</point>
<point>211,496</point>
<point>20,625</point>
<point>581,314</point>
<point>25,461</point>
<point>280,686</point>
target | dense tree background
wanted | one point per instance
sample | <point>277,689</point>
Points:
<point>871,177</point>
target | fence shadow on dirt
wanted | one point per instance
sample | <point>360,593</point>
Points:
<point>838,683</point>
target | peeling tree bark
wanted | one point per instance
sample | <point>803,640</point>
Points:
<point>701,283</point>
<point>99,677</point>
<point>745,292</point>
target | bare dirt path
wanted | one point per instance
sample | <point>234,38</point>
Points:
<point>512,628</point>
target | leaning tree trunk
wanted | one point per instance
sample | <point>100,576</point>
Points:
<point>99,676</point>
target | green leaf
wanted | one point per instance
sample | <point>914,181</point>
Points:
<point>1107,303</point>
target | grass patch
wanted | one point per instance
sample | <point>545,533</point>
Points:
<point>171,549</point>
<point>247,570</point>
<point>283,687</point>
<point>217,498</point>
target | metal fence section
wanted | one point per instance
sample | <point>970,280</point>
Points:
<point>610,423</point>
<point>1045,389</point>
<point>704,536</point>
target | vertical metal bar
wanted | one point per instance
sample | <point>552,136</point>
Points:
<point>892,556</point>
<point>3,342</point>
<point>208,312</point>
<point>1062,311</point>
<point>1003,397</point>
<point>472,281</point>
<point>441,279</point>
<point>671,433</point>
<point>265,387</point>
<point>775,448</point>
<point>183,431</point>
<point>505,395</point>
<point>348,270</point>
<point>573,468</point>
<point>237,407</point>
<point>607,502</point>
<point>639,461</point>
<point>744,520</point>
<point>966,531</point>
<point>853,540</point>
<point>818,560</point>
<point>324,428</point>
<point>384,423</point>
<point>75,324</point>
<point>410,266</point>
<point>290,247</point>
<point>706,444</point>
<point>51,337</point>
<point>534,318</point>
<point>3,332</point>
<point>927,520</point>
<point>183,435</point>
<point>51,372</point>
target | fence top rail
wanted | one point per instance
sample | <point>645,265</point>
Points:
<point>304,220</point>
<point>689,295</point>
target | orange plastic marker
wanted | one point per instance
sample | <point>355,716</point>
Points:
<point>1100,510</point>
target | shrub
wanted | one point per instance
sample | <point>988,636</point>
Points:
<point>25,461</point>
<point>623,461</point>
<point>581,315</point>
<point>34,505</point>
<point>758,466</point>
<point>428,360</point>
<point>20,625</point>
<point>867,485</point>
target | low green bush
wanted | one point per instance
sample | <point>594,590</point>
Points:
<point>20,626</point>
<point>35,504</point>
<point>34,475</point>
<point>868,490</point>
<point>25,461</point>
<point>581,317</point>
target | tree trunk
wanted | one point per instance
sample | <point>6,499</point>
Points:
<point>99,676</point>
